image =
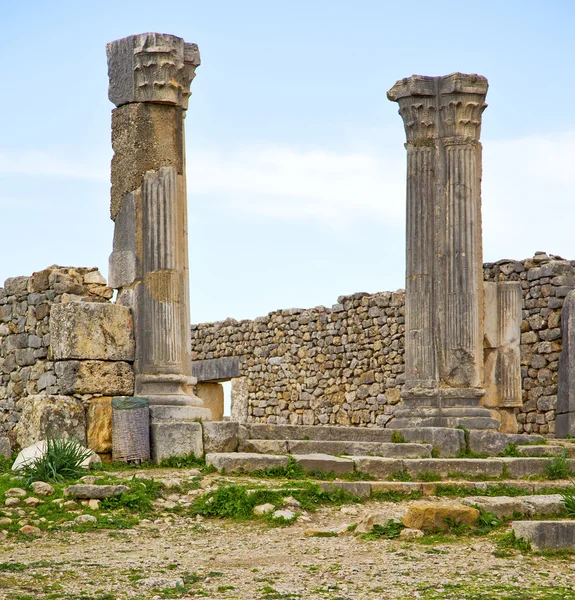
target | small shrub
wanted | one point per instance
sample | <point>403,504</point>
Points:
<point>390,531</point>
<point>61,462</point>
<point>400,476</point>
<point>293,470</point>
<point>397,437</point>
<point>187,461</point>
<point>510,541</point>
<point>558,468</point>
<point>569,502</point>
<point>511,450</point>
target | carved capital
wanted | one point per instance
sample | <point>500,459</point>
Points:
<point>151,67</point>
<point>441,107</point>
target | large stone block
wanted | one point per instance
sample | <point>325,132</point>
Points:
<point>220,436</point>
<point>49,417</point>
<point>433,515</point>
<point>216,369</point>
<point>175,438</point>
<point>233,462</point>
<point>99,424</point>
<point>95,377</point>
<point>565,423</point>
<point>325,463</point>
<point>91,330</point>
<point>546,535</point>
<point>212,395</point>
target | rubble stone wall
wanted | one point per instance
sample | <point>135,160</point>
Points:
<point>344,365</point>
<point>27,365</point>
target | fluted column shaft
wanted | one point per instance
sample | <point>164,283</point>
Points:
<point>444,303</point>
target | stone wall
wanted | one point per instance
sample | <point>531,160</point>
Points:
<point>545,280</point>
<point>31,368</point>
<point>344,365</point>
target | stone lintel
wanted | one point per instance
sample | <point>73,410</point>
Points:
<point>151,67</point>
<point>216,369</point>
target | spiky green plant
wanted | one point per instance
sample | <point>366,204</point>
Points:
<point>558,468</point>
<point>61,462</point>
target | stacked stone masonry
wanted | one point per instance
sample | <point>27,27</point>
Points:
<point>345,365</point>
<point>31,367</point>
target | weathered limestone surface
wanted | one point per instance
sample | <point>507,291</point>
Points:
<point>444,288</point>
<point>546,535</point>
<point>173,437</point>
<point>565,424</point>
<point>95,491</point>
<point>233,462</point>
<point>220,436</point>
<point>150,76</point>
<point>99,425</point>
<point>325,463</point>
<point>95,377</point>
<point>45,417</point>
<point>432,515</point>
<point>217,369</point>
<point>88,330</point>
<point>212,395</point>
<point>502,372</point>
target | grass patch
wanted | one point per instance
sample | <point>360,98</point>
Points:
<point>558,468</point>
<point>510,542</point>
<point>397,437</point>
<point>238,501</point>
<point>61,462</point>
<point>429,477</point>
<point>473,591</point>
<point>400,476</point>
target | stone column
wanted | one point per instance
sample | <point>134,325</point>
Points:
<point>150,76</point>
<point>444,283</point>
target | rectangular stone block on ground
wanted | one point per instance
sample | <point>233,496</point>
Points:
<point>546,535</point>
<point>389,450</point>
<point>503,506</point>
<point>361,489</point>
<point>449,442</point>
<point>494,443</point>
<point>403,487</point>
<point>233,462</point>
<point>91,330</point>
<point>446,466</point>
<point>549,504</point>
<point>175,438</point>
<point>220,436</point>
<point>524,467</point>
<point>325,463</point>
<point>377,466</point>
<point>541,450</point>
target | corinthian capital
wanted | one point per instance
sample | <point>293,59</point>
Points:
<point>151,67</point>
<point>441,107</point>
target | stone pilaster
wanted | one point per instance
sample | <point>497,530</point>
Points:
<point>150,76</point>
<point>444,287</point>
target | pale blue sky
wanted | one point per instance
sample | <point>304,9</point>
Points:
<point>295,156</point>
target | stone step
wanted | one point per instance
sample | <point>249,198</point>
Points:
<point>295,447</point>
<point>546,535</point>
<point>506,506</point>
<point>383,468</point>
<point>547,450</point>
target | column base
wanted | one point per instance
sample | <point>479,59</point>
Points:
<point>424,407</point>
<point>167,389</point>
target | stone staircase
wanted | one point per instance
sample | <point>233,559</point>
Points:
<point>417,454</point>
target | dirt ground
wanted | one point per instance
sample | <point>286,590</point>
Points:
<point>221,559</point>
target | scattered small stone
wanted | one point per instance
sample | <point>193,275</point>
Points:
<point>349,510</point>
<point>33,502</point>
<point>29,530</point>
<point>95,491</point>
<point>70,504</point>
<point>263,509</point>
<point>84,519</point>
<point>292,502</point>
<point>41,488</point>
<point>285,513</point>
<point>59,501</point>
<point>170,504</point>
<point>12,501</point>
<point>5,521</point>
<point>408,534</point>
<point>94,504</point>
<point>161,583</point>
<point>15,493</point>
<point>304,518</point>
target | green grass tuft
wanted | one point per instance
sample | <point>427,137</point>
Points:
<point>61,462</point>
<point>558,468</point>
